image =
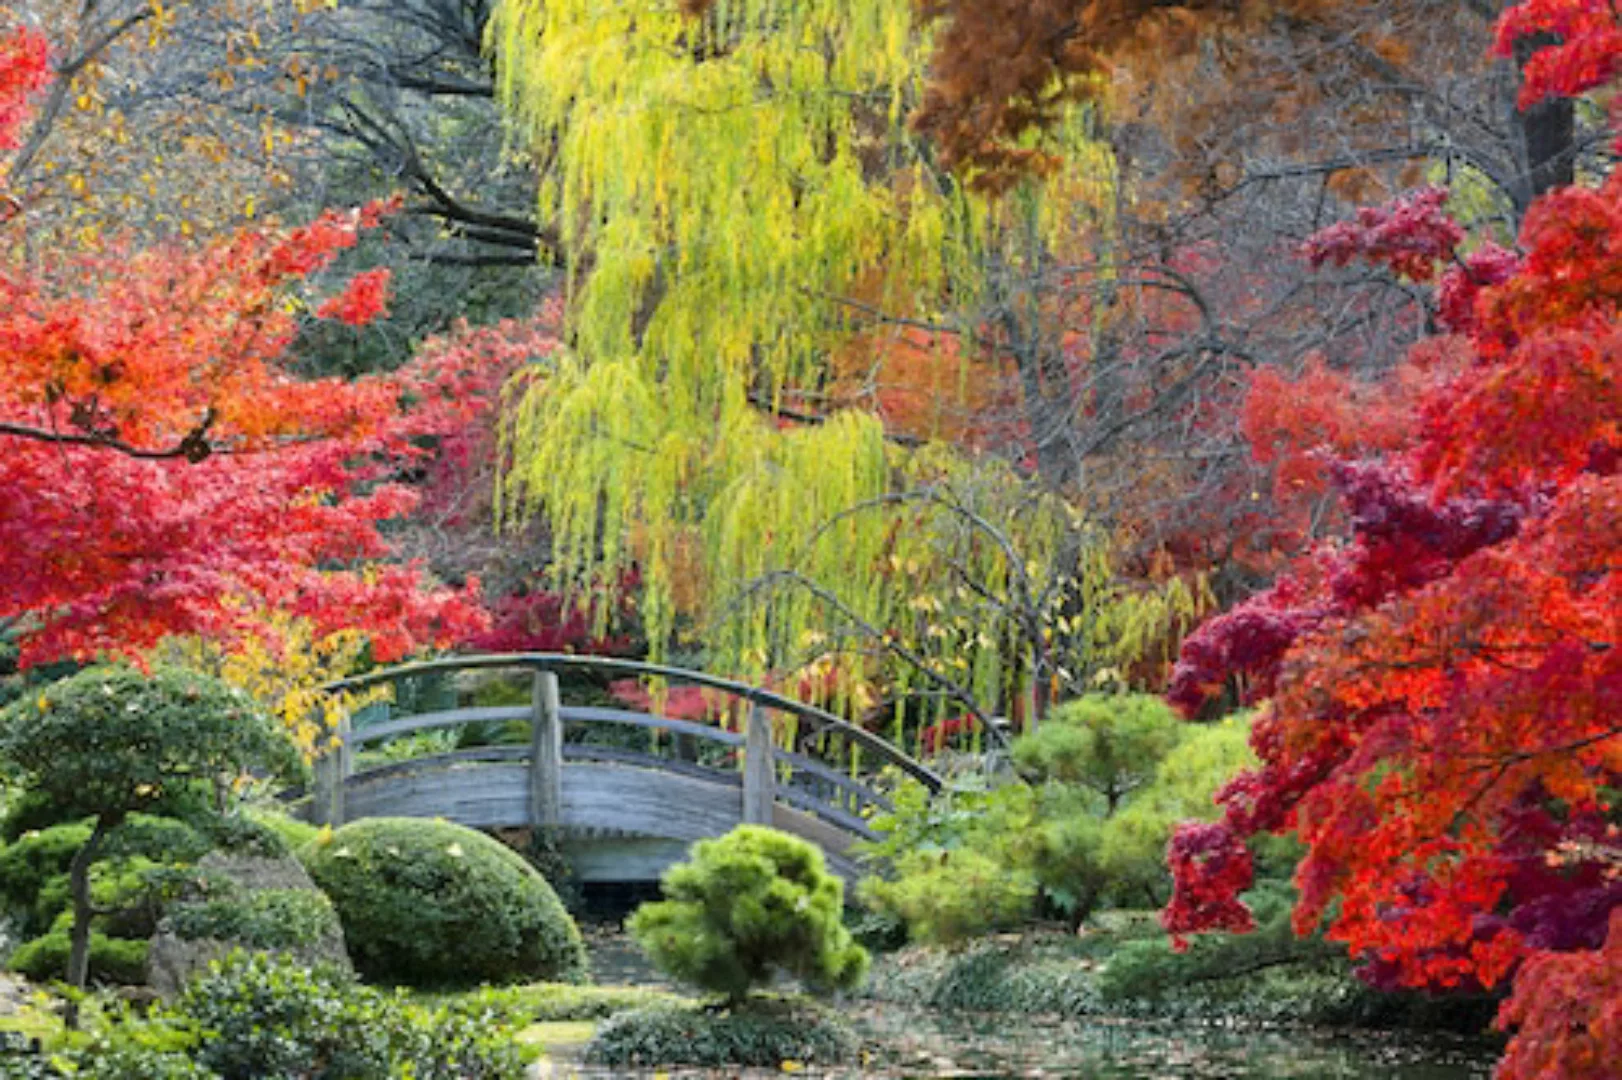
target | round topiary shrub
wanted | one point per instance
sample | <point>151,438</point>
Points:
<point>766,1032</point>
<point>754,902</point>
<point>431,903</point>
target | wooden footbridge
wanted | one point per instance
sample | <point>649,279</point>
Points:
<point>624,792</point>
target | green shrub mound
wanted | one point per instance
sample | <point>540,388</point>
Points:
<point>260,919</point>
<point>121,961</point>
<point>258,1017</point>
<point>146,862</point>
<point>746,906</point>
<point>112,742</point>
<point>1108,779</point>
<point>763,1032</point>
<point>431,903</point>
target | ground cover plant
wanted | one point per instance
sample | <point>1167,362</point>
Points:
<point>256,1017</point>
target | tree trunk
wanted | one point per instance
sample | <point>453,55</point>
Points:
<point>1547,136</point>
<point>83,911</point>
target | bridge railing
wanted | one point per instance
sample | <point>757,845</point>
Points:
<point>785,751</point>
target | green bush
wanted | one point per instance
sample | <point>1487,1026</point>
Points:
<point>947,897</point>
<point>749,904</point>
<point>954,864</point>
<point>295,834</point>
<point>112,960</point>
<point>1037,974</point>
<point>428,902</point>
<point>258,919</point>
<point>127,890</point>
<point>34,874</point>
<point>115,741</point>
<point>268,1019</point>
<point>1110,778</point>
<point>1108,744</point>
<point>763,1032</point>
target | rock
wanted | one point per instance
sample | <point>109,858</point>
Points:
<point>179,950</point>
<point>13,993</point>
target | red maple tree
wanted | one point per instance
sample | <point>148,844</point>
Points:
<point>165,473</point>
<point>1444,719</point>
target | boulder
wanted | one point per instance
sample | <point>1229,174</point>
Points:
<point>244,901</point>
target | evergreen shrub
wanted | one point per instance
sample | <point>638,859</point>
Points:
<point>746,906</point>
<point>432,903</point>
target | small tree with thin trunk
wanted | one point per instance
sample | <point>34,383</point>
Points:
<point>114,741</point>
<point>746,906</point>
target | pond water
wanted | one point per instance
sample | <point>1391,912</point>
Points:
<point>1003,1046</point>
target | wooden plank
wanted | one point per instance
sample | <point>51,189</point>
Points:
<point>442,719</point>
<point>546,754</point>
<point>592,714</point>
<point>330,771</point>
<point>481,796</point>
<point>759,768</point>
<point>471,755</point>
<point>621,756</point>
<point>834,815</point>
<point>864,795</point>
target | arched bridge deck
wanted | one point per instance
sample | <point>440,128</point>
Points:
<point>624,791</point>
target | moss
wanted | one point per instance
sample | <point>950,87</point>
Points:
<point>763,1032</point>
<point>431,903</point>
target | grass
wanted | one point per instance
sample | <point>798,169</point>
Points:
<point>556,1035</point>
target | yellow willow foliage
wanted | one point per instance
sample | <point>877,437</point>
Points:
<point>722,182</point>
<point>283,665</point>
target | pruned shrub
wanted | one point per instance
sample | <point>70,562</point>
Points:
<point>258,919</point>
<point>746,906</point>
<point>432,903</point>
<point>112,960</point>
<point>114,741</point>
<point>763,1032</point>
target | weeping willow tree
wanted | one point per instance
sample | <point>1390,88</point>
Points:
<point>726,180</point>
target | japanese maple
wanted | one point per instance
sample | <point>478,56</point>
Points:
<point>1444,724</point>
<point>163,470</point>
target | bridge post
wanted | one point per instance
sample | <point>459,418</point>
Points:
<point>759,768</point>
<point>546,753</point>
<point>331,769</point>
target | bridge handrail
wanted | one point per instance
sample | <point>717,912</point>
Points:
<point>820,718</point>
<point>444,718</point>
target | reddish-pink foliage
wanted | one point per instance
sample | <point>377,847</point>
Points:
<point>1413,236</point>
<point>1569,1012</point>
<point>24,68</point>
<point>543,621</point>
<point>1210,865</point>
<point>164,473</point>
<point>363,300</point>
<point>1445,684</point>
